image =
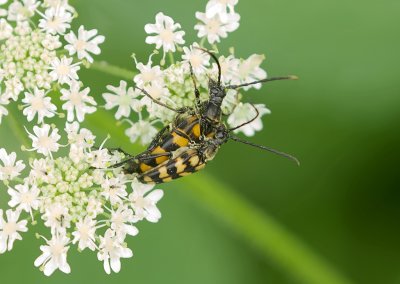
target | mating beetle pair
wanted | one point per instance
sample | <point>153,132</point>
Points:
<point>193,138</point>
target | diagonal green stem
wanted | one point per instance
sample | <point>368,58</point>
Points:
<point>116,71</point>
<point>272,240</point>
<point>263,232</point>
<point>18,131</point>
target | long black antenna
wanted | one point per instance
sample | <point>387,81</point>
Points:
<point>247,122</point>
<point>216,61</point>
<point>291,77</point>
<point>290,157</point>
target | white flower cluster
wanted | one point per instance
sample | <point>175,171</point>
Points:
<point>44,55</point>
<point>79,198</point>
<point>172,85</point>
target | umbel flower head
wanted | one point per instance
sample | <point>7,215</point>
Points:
<point>68,185</point>
<point>78,197</point>
<point>171,83</point>
<point>40,55</point>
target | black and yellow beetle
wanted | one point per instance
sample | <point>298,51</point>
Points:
<point>193,139</point>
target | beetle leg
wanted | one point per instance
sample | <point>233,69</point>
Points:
<point>142,157</point>
<point>157,139</point>
<point>119,150</point>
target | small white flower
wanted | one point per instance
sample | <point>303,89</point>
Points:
<point>124,99</point>
<point>43,141</point>
<point>43,81</point>
<point>38,104</point>
<point>229,68</point>
<point>24,197</point>
<point>13,88</point>
<point>166,32</point>
<point>216,27</point>
<point>98,159</point>
<point>157,91</point>
<point>56,20</point>
<point>160,113</point>
<point>87,42</point>
<point>77,154</point>
<point>197,58</point>
<point>249,71</point>
<point>94,207</point>
<point>175,74</point>
<point>148,74</point>
<point>9,167</point>
<point>9,229</point>
<point>78,102</point>
<point>114,189</point>
<point>59,3</point>
<point>85,234</point>
<point>121,220</point>
<point>144,203</point>
<point>111,251</point>
<point>40,171</point>
<point>23,28</point>
<point>142,130</point>
<point>244,113</point>
<point>54,255</point>
<point>57,217</point>
<point>63,70</point>
<point>213,28</point>
<point>231,21</point>
<point>5,29</point>
<point>51,42</point>
<point>219,7</point>
<point>160,93</point>
<point>20,12</point>
<point>82,138</point>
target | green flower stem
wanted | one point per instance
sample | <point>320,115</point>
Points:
<point>112,70</point>
<point>171,58</point>
<point>271,239</point>
<point>18,131</point>
<point>263,232</point>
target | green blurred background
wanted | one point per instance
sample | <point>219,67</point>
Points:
<point>341,120</point>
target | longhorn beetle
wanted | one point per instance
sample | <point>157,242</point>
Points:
<point>194,137</point>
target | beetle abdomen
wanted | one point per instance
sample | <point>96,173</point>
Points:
<point>187,162</point>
